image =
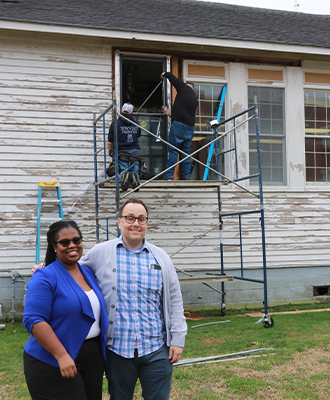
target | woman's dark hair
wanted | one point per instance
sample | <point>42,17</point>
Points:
<point>52,236</point>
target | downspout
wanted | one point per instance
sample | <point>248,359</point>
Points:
<point>16,277</point>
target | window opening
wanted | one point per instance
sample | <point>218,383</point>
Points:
<point>139,77</point>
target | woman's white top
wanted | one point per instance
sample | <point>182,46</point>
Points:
<point>95,328</point>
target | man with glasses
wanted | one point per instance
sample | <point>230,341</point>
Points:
<point>142,292</point>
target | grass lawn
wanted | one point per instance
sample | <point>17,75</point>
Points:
<point>299,369</point>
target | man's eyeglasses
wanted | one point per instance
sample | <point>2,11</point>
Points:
<point>66,242</point>
<point>130,219</point>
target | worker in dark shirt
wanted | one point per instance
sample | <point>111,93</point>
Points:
<point>128,147</point>
<point>183,121</point>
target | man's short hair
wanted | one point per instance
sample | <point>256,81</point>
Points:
<point>190,83</point>
<point>133,200</point>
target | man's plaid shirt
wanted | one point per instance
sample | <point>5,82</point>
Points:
<point>139,321</point>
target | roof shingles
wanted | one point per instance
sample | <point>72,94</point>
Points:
<point>176,17</point>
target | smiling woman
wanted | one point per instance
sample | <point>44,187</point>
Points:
<point>66,314</point>
<point>68,249</point>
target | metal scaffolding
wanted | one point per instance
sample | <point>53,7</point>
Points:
<point>102,181</point>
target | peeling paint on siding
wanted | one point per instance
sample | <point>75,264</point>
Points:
<point>299,167</point>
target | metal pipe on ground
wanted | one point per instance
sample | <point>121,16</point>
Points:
<point>213,358</point>
<point>209,323</point>
<point>225,360</point>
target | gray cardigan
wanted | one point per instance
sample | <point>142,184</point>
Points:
<point>102,260</point>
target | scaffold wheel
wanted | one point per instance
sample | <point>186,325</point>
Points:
<point>269,323</point>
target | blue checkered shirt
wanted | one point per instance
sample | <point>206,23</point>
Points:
<point>139,320</point>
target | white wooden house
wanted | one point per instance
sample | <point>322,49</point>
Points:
<point>61,64</point>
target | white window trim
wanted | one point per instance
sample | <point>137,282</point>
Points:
<point>276,85</point>
<point>322,87</point>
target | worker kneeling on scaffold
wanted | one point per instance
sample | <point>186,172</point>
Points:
<point>128,147</point>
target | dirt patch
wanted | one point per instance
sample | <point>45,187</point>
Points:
<point>4,389</point>
<point>259,314</point>
<point>308,363</point>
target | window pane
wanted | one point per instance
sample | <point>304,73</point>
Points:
<point>277,174</point>
<point>265,110</point>
<point>321,113</point>
<point>310,174</point>
<point>310,160</point>
<point>272,134</point>
<point>277,127</point>
<point>319,145</point>
<point>277,160</point>
<point>309,144</point>
<point>320,160</point>
<point>266,174</point>
<point>320,175</point>
<point>309,113</point>
<point>205,108</point>
<point>206,92</point>
<point>265,126</point>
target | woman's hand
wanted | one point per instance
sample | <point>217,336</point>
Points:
<point>45,335</point>
<point>67,366</point>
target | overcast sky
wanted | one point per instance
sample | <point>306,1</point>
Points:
<point>306,6</point>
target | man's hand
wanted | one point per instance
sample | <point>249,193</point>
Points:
<point>36,266</point>
<point>166,110</point>
<point>110,149</point>
<point>175,354</point>
<point>162,75</point>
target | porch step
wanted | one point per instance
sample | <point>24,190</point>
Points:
<point>171,184</point>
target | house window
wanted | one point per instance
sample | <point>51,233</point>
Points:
<point>139,76</point>
<point>208,102</point>
<point>317,135</point>
<point>272,135</point>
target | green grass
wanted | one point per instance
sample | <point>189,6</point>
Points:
<point>300,369</point>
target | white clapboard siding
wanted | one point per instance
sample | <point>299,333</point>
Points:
<point>51,87</point>
<point>50,90</point>
<point>297,228</point>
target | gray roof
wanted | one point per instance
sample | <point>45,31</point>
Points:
<point>175,17</point>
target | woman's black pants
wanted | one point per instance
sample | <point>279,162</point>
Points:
<point>45,382</point>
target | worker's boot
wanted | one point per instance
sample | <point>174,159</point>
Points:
<point>125,180</point>
<point>134,181</point>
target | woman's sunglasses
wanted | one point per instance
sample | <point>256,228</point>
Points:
<point>66,242</point>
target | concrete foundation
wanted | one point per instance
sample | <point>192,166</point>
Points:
<point>287,285</point>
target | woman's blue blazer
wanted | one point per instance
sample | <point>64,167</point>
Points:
<point>55,297</point>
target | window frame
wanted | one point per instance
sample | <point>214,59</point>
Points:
<point>316,87</point>
<point>210,80</point>
<point>271,85</point>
